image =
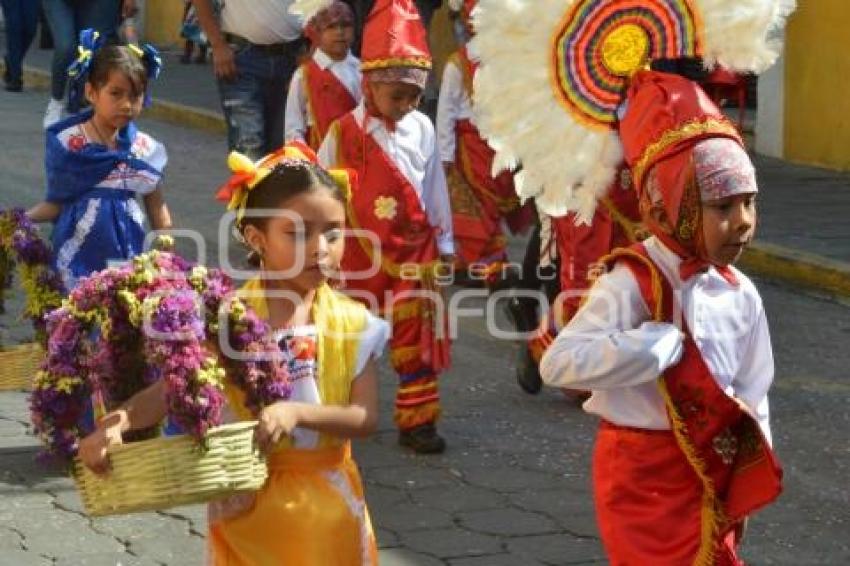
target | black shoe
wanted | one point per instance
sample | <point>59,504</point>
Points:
<point>14,86</point>
<point>527,372</point>
<point>522,312</point>
<point>422,439</point>
<point>185,59</point>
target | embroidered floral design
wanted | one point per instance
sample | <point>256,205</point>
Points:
<point>76,143</point>
<point>726,446</point>
<point>386,208</point>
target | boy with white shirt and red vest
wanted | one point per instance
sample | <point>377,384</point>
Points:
<point>327,86</point>
<point>401,198</point>
<point>682,459</point>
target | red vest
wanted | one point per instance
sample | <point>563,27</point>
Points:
<point>327,101</point>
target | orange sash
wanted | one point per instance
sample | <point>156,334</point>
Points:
<point>327,100</point>
<point>723,443</point>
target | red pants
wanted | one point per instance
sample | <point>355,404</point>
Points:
<point>417,397</point>
<point>648,500</point>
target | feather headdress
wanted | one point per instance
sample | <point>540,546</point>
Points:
<point>553,73</point>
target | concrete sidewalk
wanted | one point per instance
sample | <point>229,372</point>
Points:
<point>804,235</point>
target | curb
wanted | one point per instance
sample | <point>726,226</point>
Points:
<point>770,261</point>
<point>164,110</point>
<point>797,268</point>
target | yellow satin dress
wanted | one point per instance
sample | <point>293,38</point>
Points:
<point>311,511</point>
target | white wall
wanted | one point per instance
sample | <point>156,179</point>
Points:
<point>770,116</point>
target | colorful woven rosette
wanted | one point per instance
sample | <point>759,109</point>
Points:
<point>553,74</point>
<point>22,250</point>
<point>599,45</point>
<point>122,329</point>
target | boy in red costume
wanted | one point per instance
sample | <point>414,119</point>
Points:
<point>327,85</point>
<point>674,345</point>
<point>402,200</point>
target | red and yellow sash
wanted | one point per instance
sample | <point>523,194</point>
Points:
<point>384,202</point>
<point>723,443</point>
<point>327,100</point>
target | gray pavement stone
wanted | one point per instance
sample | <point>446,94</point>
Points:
<point>115,559</point>
<point>459,498</point>
<point>572,510</point>
<point>380,496</point>
<point>386,538</point>
<point>511,479</point>
<point>507,522</point>
<point>71,541</point>
<point>69,500</point>
<point>141,525</point>
<point>403,557</point>
<point>452,543</point>
<point>22,558</point>
<point>172,549</point>
<point>495,560</point>
<point>10,540</point>
<point>558,549</point>
<point>410,477</point>
<point>410,517</point>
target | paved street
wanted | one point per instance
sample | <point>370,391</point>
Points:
<point>513,488</point>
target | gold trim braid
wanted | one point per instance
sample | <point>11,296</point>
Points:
<point>419,62</point>
<point>692,129</point>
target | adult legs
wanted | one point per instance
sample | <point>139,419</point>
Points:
<point>60,16</point>
<point>243,105</point>
<point>21,20</point>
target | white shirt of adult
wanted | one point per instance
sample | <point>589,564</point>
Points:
<point>612,348</point>
<point>262,22</point>
<point>453,105</point>
<point>412,147</point>
<point>297,119</point>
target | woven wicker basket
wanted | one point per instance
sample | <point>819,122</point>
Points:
<point>18,365</point>
<point>170,471</point>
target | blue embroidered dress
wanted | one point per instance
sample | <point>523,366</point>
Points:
<point>97,187</point>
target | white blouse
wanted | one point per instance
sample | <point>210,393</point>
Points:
<point>612,348</point>
<point>303,369</point>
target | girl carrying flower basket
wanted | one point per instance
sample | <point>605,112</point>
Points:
<point>311,510</point>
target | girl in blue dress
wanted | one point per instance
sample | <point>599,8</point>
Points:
<point>98,163</point>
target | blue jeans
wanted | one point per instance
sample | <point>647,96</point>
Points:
<point>67,18</point>
<point>255,100</point>
<point>21,21</point>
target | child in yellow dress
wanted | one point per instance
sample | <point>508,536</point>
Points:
<point>311,511</point>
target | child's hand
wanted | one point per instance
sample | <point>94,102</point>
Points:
<point>276,420</point>
<point>93,448</point>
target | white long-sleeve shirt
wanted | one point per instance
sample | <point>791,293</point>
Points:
<point>412,147</point>
<point>297,119</point>
<point>612,347</point>
<point>452,106</point>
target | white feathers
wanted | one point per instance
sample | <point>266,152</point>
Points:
<point>566,165</point>
<point>738,34</point>
<point>308,8</point>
